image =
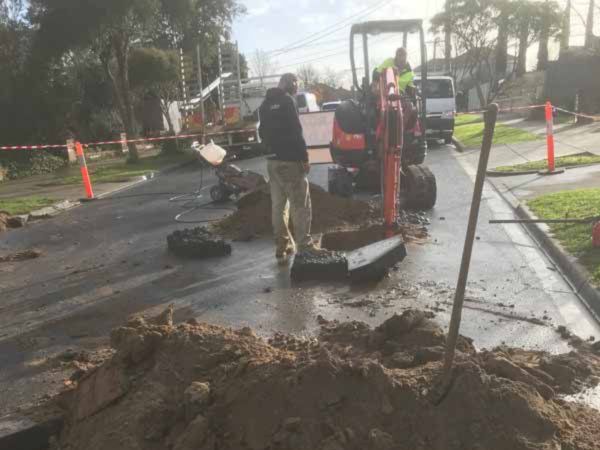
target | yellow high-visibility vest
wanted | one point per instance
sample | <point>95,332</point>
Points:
<point>405,76</point>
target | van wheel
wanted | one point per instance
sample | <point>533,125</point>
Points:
<point>448,140</point>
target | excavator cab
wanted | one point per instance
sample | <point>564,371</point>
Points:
<point>383,121</point>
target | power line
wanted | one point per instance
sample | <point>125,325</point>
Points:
<point>332,54</point>
<point>329,30</point>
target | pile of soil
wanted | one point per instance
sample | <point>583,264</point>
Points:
<point>198,387</point>
<point>197,243</point>
<point>253,216</point>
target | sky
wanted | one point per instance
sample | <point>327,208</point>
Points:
<point>276,25</point>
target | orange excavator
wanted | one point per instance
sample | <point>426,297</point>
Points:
<point>379,141</point>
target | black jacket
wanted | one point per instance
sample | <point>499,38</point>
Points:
<point>280,127</point>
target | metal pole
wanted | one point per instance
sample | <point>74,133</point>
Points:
<point>459,296</point>
<point>200,87</point>
<point>365,40</point>
<point>239,79</point>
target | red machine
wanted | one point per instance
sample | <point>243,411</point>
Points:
<point>378,142</point>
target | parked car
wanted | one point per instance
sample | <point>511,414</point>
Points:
<point>440,108</point>
<point>330,106</point>
<point>307,102</point>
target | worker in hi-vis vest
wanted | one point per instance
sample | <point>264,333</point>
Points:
<point>404,71</point>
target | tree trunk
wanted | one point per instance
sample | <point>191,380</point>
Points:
<point>447,40</point>
<point>589,26</point>
<point>121,47</point>
<point>566,30</point>
<point>523,44</point>
<point>542,56</point>
<point>501,59</point>
<point>164,106</point>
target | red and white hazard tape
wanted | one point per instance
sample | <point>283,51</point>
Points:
<point>31,147</point>
<point>126,141</point>
<point>516,108</point>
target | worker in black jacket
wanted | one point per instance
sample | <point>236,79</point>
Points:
<point>288,168</point>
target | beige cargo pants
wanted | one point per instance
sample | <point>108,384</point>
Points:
<point>290,196</point>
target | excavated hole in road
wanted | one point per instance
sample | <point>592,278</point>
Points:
<point>348,240</point>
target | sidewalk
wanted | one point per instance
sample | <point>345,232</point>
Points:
<point>568,140</point>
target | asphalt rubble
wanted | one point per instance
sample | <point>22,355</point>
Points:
<point>201,386</point>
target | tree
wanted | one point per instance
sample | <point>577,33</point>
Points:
<point>112,27</point>
<point>527,23</point>
<point>503,22</point>
<point>155,72</point>
<point>565,34</point>
<point>262,64</point>
<point>331,77</point>
<point>308,75</point>
<point>552,23</point>
<point>589,25</point>
<point>472,21</point>
<point>448,34</point>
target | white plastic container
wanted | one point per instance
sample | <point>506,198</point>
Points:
<point>211,152</point>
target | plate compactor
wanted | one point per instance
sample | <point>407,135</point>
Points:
<point>379,141</point>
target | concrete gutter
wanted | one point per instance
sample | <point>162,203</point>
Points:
<point>573,272</point>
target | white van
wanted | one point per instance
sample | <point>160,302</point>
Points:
<point>307,102</point>
<point>440,108</point>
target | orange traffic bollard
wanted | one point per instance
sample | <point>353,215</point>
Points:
<point>550,142</point>
<point>84,171</point>
<point>550,136</point>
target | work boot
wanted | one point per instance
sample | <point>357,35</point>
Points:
<point>314,250</point>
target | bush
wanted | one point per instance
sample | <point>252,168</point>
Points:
<point>23,163</point>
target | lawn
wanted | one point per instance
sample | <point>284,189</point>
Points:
<point>465,119</point>
<point>24,205</point>
<point>120,171</point>
<point>577,159</point>
<point>576,238</point>
<point>468,129</point>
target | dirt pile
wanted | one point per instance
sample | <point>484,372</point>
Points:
<point>329,212</point>
<point>253,216</point>
<point>199,386</point>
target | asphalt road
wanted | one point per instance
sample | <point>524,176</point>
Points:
<point>107,260</point>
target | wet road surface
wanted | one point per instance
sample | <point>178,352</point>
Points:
<point>107,260</point>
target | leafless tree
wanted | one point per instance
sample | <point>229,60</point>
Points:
<point>331,78</point>
<point>262,64</point>
<point>308,75</point>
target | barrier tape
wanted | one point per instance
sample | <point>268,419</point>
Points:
<point>31,147</point>
<point>517,108</point>
<point>120,141</point>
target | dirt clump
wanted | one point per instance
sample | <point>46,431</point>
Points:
<point>200,386</point>
<point>198,243</point>
<point>21,256</point>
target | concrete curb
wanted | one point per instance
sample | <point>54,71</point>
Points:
<point>458,145</point>
<point>575,274</point>
<point>498,174</point>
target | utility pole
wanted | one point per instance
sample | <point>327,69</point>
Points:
<point>566,34</point>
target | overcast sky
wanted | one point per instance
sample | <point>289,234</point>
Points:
<point>324,25</point>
